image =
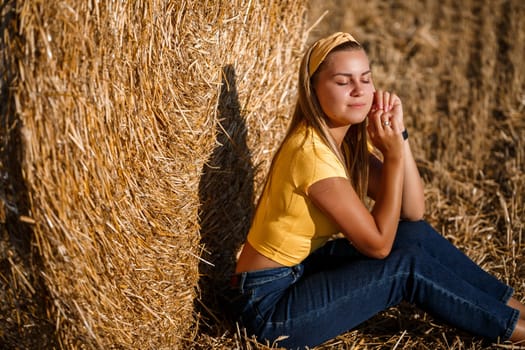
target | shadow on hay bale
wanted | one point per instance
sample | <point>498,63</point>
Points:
<point>25,300</point>
<point>226,196</point>
<point>23,319</point>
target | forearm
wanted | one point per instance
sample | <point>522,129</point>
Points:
<point>388,203</point>
<point>413,200</point>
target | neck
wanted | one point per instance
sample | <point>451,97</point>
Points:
<point>338,133</point>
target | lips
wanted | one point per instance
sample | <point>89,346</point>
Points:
<point>357,105</point>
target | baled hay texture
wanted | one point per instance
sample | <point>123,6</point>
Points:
<point>120,103</point>
<point>24,301</point>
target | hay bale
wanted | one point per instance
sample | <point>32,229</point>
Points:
<point>120,104</point>
<point>24,300</point>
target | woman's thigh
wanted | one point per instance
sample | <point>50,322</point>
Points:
<point>326,303</point>
<point>422,235</point>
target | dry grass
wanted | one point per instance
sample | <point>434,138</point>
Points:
<point>113,109</point>
<point>135,137</point>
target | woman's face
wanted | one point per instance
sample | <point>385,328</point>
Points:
<point>344,87</point>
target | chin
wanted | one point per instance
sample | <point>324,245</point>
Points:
<point>359,119</point>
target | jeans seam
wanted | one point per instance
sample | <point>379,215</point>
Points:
<point>507,295</point>
<point>512,324</point>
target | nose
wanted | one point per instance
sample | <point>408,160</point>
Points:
<point>357,90</point>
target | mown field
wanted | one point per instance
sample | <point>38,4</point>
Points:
<point>458,67</point>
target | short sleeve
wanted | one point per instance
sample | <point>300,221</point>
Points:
<point>315,162</point>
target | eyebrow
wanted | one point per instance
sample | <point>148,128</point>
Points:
<point>351,75</point>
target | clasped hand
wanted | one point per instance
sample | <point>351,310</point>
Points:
<point>385,123</point>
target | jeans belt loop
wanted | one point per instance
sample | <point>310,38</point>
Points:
<point>296,271</point>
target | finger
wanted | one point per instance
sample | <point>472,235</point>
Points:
<point>380,119</point>
<point>378,99</point>
<point>394,100</point>
<point>387,101</point>
<point>375,119</point>
<point>386,121</point>
<point>391,98</point>
<point>396,126</point>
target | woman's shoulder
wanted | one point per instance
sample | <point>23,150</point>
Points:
<point>305,145</point>
<point>305,138</point>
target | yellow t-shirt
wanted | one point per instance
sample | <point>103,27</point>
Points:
<point>287,226</point>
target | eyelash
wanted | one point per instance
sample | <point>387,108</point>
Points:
<point>362,81</point>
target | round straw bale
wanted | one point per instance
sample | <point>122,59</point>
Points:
<point>126,109</point>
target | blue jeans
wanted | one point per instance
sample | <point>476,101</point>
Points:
<point>336,288</point>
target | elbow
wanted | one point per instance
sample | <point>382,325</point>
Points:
<point>379,253</point>
<point>414,217</point>
<point>419,213</point>
<point>374,245</point>
<point>415,214</point>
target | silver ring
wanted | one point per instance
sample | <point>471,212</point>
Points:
<point>387,123</point>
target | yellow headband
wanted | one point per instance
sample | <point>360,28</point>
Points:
<point>323,46</point>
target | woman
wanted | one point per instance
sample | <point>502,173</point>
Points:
<point>299,287</point>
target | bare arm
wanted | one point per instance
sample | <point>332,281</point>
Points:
<point>372,233</point>
<point>413,202</point>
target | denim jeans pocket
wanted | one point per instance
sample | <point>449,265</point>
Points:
<point>262,289</point>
